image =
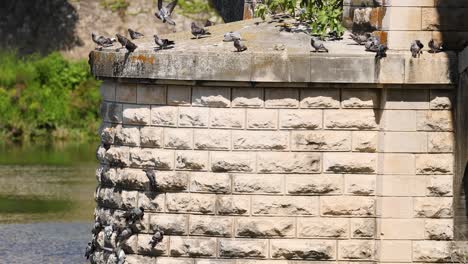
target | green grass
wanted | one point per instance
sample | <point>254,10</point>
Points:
<point>45,99</point>
<point>32,205</point>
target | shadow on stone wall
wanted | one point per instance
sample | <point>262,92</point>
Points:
<point>230,10</point>
<point>38,26</point>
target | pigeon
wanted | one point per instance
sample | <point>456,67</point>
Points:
<point>108,231</point>
<point>125,234</point>
<point>157,237</point>
<point>361,39</point>
<point>151,174</point>
<point>90,249</point>
<point>97,227</point>
<point>317,45</point>
<point>381,51</point>
<point>239,46</point>
<point>435,46</point>
<point>164,13</point>
<point>209,23</point>
<point>231,36</point>
<point>416,48</point>
<point>125,42</point>
<point>102,41</point>
<point>198,31</point>
<point>162,43</point>
<point>372,44</point>
<point>134,215</point>
<point>120,254</point>
<point>134,34</point>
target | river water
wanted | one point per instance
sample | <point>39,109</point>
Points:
<point>46,202</point>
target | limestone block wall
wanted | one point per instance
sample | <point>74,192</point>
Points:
<point>277,172</point>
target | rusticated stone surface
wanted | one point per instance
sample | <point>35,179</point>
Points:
<point>314,184</point>
<point>356,250</point>
<point>210,226</point>
<point>192,247</point>
<point>265,227</point>
<point>350,119</point>
<point>237,162</point>
<point>233,205</point>
<point>365,141</point>
<point>436,229</point>
<point>300,119</point>
<point>151,137</point>
<point>137,115</point>
<point>347,206</point>
<point>288,162</point>
<point>321,141</point>
<point>433,207</point>
<point>434,121</point>
<point>303,249</point>
<point>432,251</point>
<point>251,183</point>
<point>245,248</point>
<point>190,202</point>
<point>320,98</point>
<point>169,223</point>
<point>349,163</point>
<point>280,205</point>
<point>434,164</point>
<point>144,247</point>
<point>323,228</point>
<point>363,228</point>
<point>210,182</point>
<point>253,140</point>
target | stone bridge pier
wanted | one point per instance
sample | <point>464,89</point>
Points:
<point>277,157</point>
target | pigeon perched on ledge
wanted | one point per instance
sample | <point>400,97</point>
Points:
<point>151,174</point>
<point>163,43</point>
<point>416,48</point>
<point>90,249</point>
<point>435,47</point>
<point>361,39</point>
<point>102,41</point>
<point>381,51</point>
<point>164,13</point>
<point>239,45</point>
<point>125,42</point>
<point>157,237</point>
<point>198,31</point>
<point>317,45</point>
<point>134,34</point>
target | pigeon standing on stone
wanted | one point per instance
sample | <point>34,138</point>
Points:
<point>120,254</point>
<point>239,45</point>
<point>124,234</point>
<point>381,51</point>
<point>164,13</point>
<point>198,31</point>
<point>162,43</point>
<point>416,48</point>
<point>134,34</point>
<point>125,42</point>
<point>231,36</point>
<point>102,41</point>
<point>90,249</point>
<point>157,237</point>
<point>151,174</point>
<point>361,39</point>
<point>435,46</point>
<point>134,215</point>
<point>108,231</point>
<point>372,44</point>
<point>209,23</point>
<point>97,227</point>
<point>317,45</point>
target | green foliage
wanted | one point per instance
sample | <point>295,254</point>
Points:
<point>46,98</point>
<point>196,9</point>
<point>324,16</point>
<point>115,5</point>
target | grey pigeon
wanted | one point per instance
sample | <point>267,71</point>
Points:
<point>120,254</point>
<point>102,41</point>
<point>372,44</point>
<point>198,31</point>
<point>125,42</point>
<point>97,227</point>
<point>416,48</point>
<point>231,36</point>
<point>157,237</point>
<point>435,46</point>
<point>381,51</point>
<point>209,23</point>
<point>239,45</point>
<point>134,34</point>
<point>108,231</point>
<point>361,39</point>
<point>90,249</point>
<point>317,45</point>
<point>124,234</point>
<point>162,43</point>
<point>134,215</point>
<point>151,174</point>
<point>164,13</point>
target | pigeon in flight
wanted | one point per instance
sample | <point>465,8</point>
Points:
<point>163,44</point>
<point>134,34</point>
<point>317,45</point>
<point>361,39</point>
<point>164,13</point>
<point>239,45</point>
<point>125,42</point>
<point>102,41</point>
<point>435,46</point>
<point>416,48</point>
<point>198,31</point>
<point>157,237</point>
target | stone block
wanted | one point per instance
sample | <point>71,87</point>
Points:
<point>299,68</point>
<point>114,113</point>
<point>270,67</point>
<point>210,182</point>
<point>262,118</point>
<point>356,163</point>
<point>107,90</point>
<point>314,184</point>
<point>193,116</point>
<point>212,139</point>
<point>402,185</point>
<point>118,156</point>
<point>356,250</point>
<point>190,202</point>
<point>144,247</point>
<point>211,96</point>
<point>438,229</point>
<point>171,224</point>
<point>397,164</point>
<point>281,97</point>
<point>284,206</point>
<point>151,137</point>
<point>320,98</point>
<point>232,162</point>
<point>136,114</point>
<point>321,140</point>
<point>233,205</point>
<point>247,97</point>
<point>362,227</point>
<point>333,228</point>
<point>226,66</point>
<point>342,69</point>
<point>395,251</point>
<point>395,207</point>
<point>444,19</point>
<point>288,162</point>
<point>392,70</point>
<point>400,40</point>
<point>252,183</point>
<point>434,121</point>
<point>431,70</point>
<point>211,226</point>
<point>402,18</point>
<point>433,207</point>
<point>192,160</point>
<point>360,184</point>
<point>243,248</point>
<point>353,206</point>
<point>227,118</point>
<point>151,94</point>
<point>440,185</point>
<point>164,116</point>
<point>434,164</point>
<point>301,119</point>
<point>405,229</point>
<point>258,140</point>
<point>302,249</point>
<point>399,120</point>
<point>159,159</point>
<point>179,95</point>
<point>441,142</point>
<point>265,227</point>
<point>349,119</point>
<point>432,251</point>
<point>192,247</point>
<point>404,142</point>
<point>360,98</point>
<point>178,138</point>
<point>128,136</point>
<point>441,99</point>
<point>364,141</point>
<point>152,202</point>
<point>126,92</point>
